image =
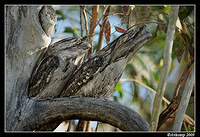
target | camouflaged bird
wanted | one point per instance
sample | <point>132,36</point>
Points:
<point>64,72</point>
<point>98,76</point>
<point>56,67</point>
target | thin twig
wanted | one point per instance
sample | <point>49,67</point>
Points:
<point>81,20</point>
<point>104,12</point>
<point>170,110</point>
<point>100,41</point>
<point>119,20</point>
<point>80,125</point>
<point>88,126</point>
<point>95,11</point>
<point>145,86</point>
<point>148,23</point>
<point>98,22</point>
<point>182,78</point>
<point>97,126</point>
<point>188,24</point>
<point>88,12</point>
<point>184,101</point>
<point>165,71</point>
<point>128,22</point>
<point>183,121</point>
<point>86,21</point>
<point>187,118</point>
<point>70,124</point>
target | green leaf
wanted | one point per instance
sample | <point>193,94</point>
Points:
<point>172,65</point>
<point>189,128</point>
<point>70,30</point>
<point>167,9</point>
<point>144,79</point>
<point>60,14</point>
<point>119,89</point>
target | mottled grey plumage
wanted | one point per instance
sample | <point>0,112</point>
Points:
<point>57,66</point>
<point>82,75</point>
<point>98,76</point>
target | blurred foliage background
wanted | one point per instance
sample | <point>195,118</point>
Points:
<point>142,74</point>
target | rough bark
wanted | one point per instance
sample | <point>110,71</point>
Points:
<point>27,35</point>
<point>38,114</point>
<point>27,30</point>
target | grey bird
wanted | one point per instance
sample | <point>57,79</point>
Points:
<point>72,74</point>
<point>56,67</point>
<point>98,76</point>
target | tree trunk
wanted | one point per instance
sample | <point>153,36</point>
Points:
<point>27,35</point>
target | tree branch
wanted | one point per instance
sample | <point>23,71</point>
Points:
<point>145,86</point>
<point>86,21</point>
<point>187,118</point>
<point>81,20</point>
<point>101,35</point>
<point>95,12</point>
<point>184,102</point>
<point>166,68</point>
<point>42,113</point>
<point>181,79</point>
